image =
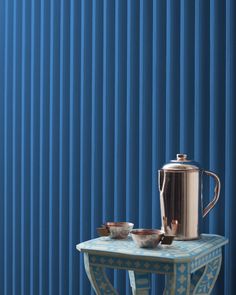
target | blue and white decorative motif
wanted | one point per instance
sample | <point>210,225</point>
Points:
<point>131,263</point>
<point>179,250</point>
<point>195,277</point>
<point>191,267</point>
<point>140,282</point>
<point>208,278</point>
<point>98,278</point>
<point>179,281</point>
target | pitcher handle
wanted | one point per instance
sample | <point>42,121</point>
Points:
<point>161,180</point>
<point>208,208</point>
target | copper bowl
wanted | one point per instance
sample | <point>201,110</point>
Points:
<point>119,230</point>
<point>147,238</point>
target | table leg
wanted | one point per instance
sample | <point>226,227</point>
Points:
<point>98,278</point>
<point>195,278</point>
<point>205,281</point>
<point>140,282</point>
<point>178,283</point>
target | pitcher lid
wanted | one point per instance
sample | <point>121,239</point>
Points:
<point>182,163</point>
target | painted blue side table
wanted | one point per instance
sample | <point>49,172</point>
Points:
<point>190,267</point>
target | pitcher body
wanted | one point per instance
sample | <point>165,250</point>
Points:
<point>180,186</point>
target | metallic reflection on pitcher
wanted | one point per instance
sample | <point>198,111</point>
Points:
<point>170,230</point>
<point>180,186</point>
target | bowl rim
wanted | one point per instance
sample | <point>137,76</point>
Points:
<point>146,232</point>
<point>119,224</point>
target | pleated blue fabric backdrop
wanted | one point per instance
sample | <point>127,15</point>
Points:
<point>94,97</point>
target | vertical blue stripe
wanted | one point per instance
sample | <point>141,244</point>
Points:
<point>230,145</point>
<point>201,93</point>
<point>158,115</point>
<point>65,154</point>
<point>71,151</point>
<point>61,122</point>
<point>217,114</point>
<point>41,142</point>
<point>141,100</point>
<point>132,149</point>
<point>132,116</point>
<point>217,106</point>
<point>119,125</point>
<point>172,79</point>
<point>104,204</point>
<point>108,112</point>
<point>145,109</point>
<point>32,167</point>
<point>23,159</point>
<point>14,93</point>
<point>82,288</point>
<point>2,120</point>
<point>76,141</point>
<point>129,204</point>
<point>35,147</point>
<point>201,106</point>
<point>6,197</point>
<point>94,193</point>
<point>186,77</point>
<point>54,148</point>
<point>85,129</point>
<point>132,119</point>
<point>120,112</point>
<point>96,131</point>
<point>82,277</point>
<point>108,109</point>
<point>158,101</point>
<point>26,101</point>
<point>155,51</point>
<point>51,150</point>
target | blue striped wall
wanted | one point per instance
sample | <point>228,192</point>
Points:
<point>95,95</point>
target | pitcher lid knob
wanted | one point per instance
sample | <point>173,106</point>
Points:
<point>181,157</point>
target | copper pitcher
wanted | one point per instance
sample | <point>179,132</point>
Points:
<point>180,186</point>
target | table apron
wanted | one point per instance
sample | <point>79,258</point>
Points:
<point>199,262</point>
<point>140,265</point>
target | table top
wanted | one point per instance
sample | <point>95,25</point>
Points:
<point>178,251</point>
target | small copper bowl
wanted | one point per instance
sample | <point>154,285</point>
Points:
<point>119,230</point>
<point>103,231</point>
<point>147,238</point>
